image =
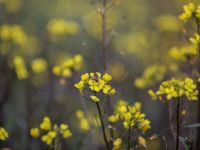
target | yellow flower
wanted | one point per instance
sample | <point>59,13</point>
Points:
<point>63,126</point>
<point>39,65</point>
<point>142,141</point>
<point>66,134</point>
<point>187,12</point>
<point>196,39</point>
<point>20,67</point>
<point>46,124</point>
<point>152,94</point>
<point>183,112</point>
<point>84,124</point>
<point>94,98</point>
<point>66,73</point>
<point>3,134</point>
<point>112,91</point>
<point>198,12</point>
<point>85,77</point>
<point>107,77</point>
<point>49,137</point>
<point>117,143</point>
<point>106,89</point>
<point>137,105</point>
<point>177,88</point>
<point>113,118</point>
<point>56,70</point>
<point>79,114</point>
<point>35,132</point>
<point>61,27</point>
<point>80,86</point>
<point>144,125</point>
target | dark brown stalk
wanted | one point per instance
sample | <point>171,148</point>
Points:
<point>129,136</point>
<point>198,87</point>
<point>102,126</point>
<point>177,123</point>
<point>104,52</point>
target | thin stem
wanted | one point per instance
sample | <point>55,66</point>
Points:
<point>171,120</point>
<point>104,52</point>
<point>104,34</point>
<point>198,87</point>
<point>177,124</point>
<point>53,145</point>
<point>129,137</point>
<point>102,126</point>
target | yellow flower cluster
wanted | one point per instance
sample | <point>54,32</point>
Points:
<point>151,75</point>
<point>190,10</point>
<point>83,122</point>
<point>39,65</point>
<point>181,54</point>
<point>49,132</point>
<point>20,67</point>
<point>62,27</point>
<point>3,134</point>
<point>95,82</point>
<point>131,116</point>
<point>196,39</point>
<point>13,33</point>
<point>176,88</point>
<point>117,143</point>
<point>65,68</point>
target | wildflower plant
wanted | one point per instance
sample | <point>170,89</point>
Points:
<point>49,133</point>
<point>132,119</point>
<point>176,89</point>
<point>93,86</point>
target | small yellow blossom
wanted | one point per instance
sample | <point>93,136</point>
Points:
<point>3,134</point>
<point>117,143</point>
<point>183,112</point>
<point>94,98</point>
<point>46,124</point>
<point>188,10</point>
<point>142,141</point>
<point>35,132</point>
<point>198,12</point>
<point>85,77</point>
<point>113,118</point>
<point>39,65</point>
<point>107,77</point>
<point>20,67</point>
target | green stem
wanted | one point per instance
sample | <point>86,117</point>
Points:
<point>102,126</point>
<point>129,136</point>
<point>177,124</point>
